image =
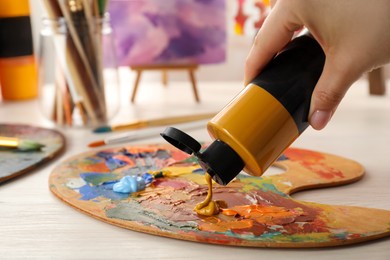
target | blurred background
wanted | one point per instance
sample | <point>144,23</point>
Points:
<point>237,43</point>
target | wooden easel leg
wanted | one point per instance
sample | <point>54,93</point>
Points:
<point>137,80</point>
<point>376,81</point>
<point>165,77</point>
<point>193,82</point>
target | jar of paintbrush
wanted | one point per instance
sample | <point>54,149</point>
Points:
<point>78,75</point>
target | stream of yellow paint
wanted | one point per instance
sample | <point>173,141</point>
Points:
<point>208,207</point>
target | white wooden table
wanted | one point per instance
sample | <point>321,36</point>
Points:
<point>35,224</point>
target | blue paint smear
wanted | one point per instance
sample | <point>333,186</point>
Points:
<point>282,158</point>
<point>198,171</point>
<point>268,236</point>
<point>104,155</point>
<point>263,186</point>
<point>340,236</point>
<point>148,178</point>
<point>191,159</point>
<point>130,184</point>
<point>270,187</point>
<point>107,183</point>
<point>91,192</point>
<point>114,163</point>
<point>95,178</point>
<point>129,154</point>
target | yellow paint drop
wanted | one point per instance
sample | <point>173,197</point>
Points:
<point>209,207</point>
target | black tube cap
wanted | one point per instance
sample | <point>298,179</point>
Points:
<point>218,159</point>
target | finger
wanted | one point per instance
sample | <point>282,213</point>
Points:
<point>334,82</point>
<point>276,32</point>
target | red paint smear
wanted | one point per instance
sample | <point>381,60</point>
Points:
<point>316,226</point>
<point>176,184</point>
<point>271,211</point>
<point>178,155</point>
<point>240,17</point>
<point>256,220</point>
<point>328,172</point>
<point>313,161</point>
<point>354,236</point>
<point>309,157</point>
<point>257,229</point>
<point>233,198</point>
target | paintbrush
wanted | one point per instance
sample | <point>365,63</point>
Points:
<point>143,134</point>
<point>19,144</point>
<point>139,124</point>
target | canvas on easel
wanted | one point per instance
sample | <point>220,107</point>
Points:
<point>169,35</point>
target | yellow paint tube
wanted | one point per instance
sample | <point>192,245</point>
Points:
<point>254,129</point>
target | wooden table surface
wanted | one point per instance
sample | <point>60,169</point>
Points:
<point>35,224</point>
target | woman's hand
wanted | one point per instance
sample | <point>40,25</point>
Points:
<point>354,34</point>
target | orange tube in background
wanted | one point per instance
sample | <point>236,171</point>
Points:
<point>18,72</point>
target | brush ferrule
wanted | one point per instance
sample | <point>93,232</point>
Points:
<point>9,142</point>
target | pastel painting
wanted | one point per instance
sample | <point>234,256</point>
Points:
<point>150,32</point>
<point>259,211</point>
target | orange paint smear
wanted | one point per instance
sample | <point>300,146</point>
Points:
<point>97,167</point>
<point>223,226</point>
<point>246,216</point>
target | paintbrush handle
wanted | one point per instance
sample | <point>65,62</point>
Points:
<point>130,137</point>
<point>148,133</point>
<point>130,126</point>
<point>162,121</point>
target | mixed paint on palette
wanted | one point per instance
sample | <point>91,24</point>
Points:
<point>259,211</point>
<point>14,162</point>
<point>149,32</point>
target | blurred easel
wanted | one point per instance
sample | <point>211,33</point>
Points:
<point>164,69</point>
<point>376,81</point>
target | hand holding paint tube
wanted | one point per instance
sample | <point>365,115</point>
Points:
<point>354,34</point>
<point>254,129</point>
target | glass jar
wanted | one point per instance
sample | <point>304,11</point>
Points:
<point>78,74</point>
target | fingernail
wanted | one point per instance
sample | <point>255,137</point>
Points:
<point>320,118</point>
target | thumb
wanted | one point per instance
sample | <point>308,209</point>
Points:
<point>334,82</point>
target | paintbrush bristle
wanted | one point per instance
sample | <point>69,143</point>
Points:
<point>96,144</point>
<point>103,129</point>
<point>28,145</point>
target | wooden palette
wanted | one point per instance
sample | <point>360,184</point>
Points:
<point>14,163</point>
<point>259,213</point>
